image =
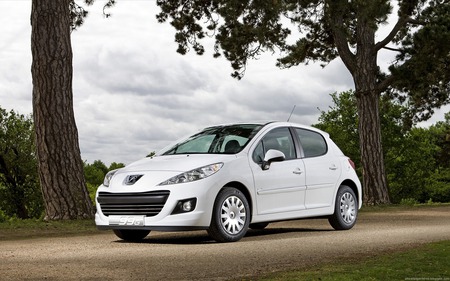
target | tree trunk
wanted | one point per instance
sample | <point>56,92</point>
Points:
<point>363,67</point>
<point>375,188</point>
<point>58,153</point>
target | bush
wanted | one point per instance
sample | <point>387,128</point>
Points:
<point>20,194</point>
<point>3,216</point>
<point>409,202</point>
<point>438,186</point>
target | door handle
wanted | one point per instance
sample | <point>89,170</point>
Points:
<point>333,167</point>
<point>297,171</point>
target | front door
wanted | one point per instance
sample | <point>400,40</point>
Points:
<point>280,188</point>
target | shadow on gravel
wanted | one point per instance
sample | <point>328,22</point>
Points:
<point>201,237</point>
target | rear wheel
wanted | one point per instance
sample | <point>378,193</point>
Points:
<point>345,209</point>
<point>130,234</point>
<point>231,216</point>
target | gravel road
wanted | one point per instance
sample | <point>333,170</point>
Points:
<point>193,256</point>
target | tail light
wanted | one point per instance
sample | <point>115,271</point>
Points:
<point>352,164</point>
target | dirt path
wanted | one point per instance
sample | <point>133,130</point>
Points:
<point>193,256</point>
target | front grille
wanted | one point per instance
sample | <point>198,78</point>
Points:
<point>133,204</point>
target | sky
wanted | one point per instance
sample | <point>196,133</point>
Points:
<point>134,94</point>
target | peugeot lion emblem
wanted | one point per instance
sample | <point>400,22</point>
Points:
<point>132,179</point>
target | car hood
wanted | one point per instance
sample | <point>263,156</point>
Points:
<point>176,163</point>
<point>155,170</point>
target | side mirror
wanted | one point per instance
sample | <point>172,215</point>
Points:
<point>272,156</point>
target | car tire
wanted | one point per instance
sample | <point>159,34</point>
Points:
<point>345,209</point>
<point>130,234</point>
<point>259,225</point>
<point>230,217</point>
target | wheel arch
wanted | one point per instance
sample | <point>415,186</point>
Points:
<point>242,188</point>
<point>354,187</point>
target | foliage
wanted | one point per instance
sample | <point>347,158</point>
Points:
<point>3,216</point>
<point>114,166</point>
<point>19,185</point>
<point>422,65</point>
<point>417,159</point>
<point>409,202</point>
<point>78,13</point>
<point>411,164</point>
<point>438,184</point>
<point>95,173</point>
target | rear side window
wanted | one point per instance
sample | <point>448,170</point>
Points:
<point>313,143</point>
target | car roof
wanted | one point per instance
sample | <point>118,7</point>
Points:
<point>273,124</point>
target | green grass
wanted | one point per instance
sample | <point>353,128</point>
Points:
<point>428,262</point>
<point>14,229</point>
<point>400,207</point>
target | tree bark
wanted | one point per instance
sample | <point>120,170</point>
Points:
<point>58,153</point>
<point>364,69</point>
<point>375,188</point>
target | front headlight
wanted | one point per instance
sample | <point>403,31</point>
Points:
<point>108,177</point>
<point>194,175</point>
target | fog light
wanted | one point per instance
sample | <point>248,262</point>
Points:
<point>185,206</point>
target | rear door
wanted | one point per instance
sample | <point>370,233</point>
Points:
<point>322,167</point>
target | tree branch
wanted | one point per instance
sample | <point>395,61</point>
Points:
<point>402,22</point>
<point>340,39</point>
<point>398,26</point>
<point>392,49</point>
<point>383,85</point>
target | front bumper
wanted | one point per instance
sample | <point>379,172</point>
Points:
<point>157,207</point>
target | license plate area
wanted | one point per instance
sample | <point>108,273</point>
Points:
<point>126,220</point>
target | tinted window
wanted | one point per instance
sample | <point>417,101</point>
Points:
<point>228,139</point>
<point>313,143</point>
<point>279,139</point>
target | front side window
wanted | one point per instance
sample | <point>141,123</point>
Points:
<point>229,139</point>
<point>313,143</point>
<point>278,139</point>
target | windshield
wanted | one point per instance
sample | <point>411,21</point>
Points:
<point>228,139</point>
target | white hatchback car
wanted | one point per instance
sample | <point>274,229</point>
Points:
<point>228,178</point>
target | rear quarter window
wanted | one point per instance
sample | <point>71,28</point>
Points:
<point>313,143</point>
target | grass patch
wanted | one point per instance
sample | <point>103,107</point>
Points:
<point>400,207</point>
<point>14,229</point>
<point>428,262</point>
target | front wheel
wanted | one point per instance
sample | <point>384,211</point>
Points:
<point>345,209</point>
<point>131,235</point>
<point>231,216</point>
